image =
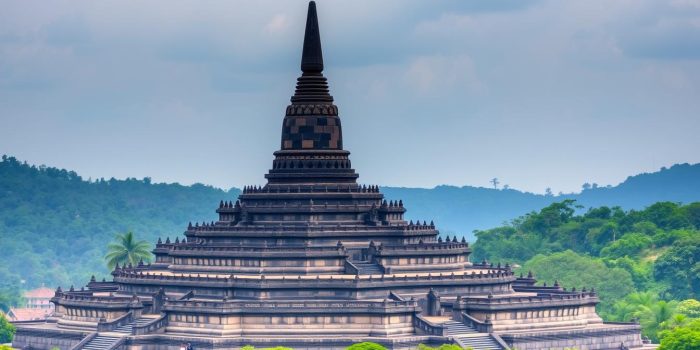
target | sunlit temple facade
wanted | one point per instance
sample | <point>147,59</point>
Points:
<point>313,259</point>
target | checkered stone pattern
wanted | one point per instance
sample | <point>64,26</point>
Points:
<point>311,132</point>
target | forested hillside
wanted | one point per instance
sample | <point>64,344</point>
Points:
<point>55,225</point>
<point>645,264</point>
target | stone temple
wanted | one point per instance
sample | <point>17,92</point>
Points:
<point>315,260</point>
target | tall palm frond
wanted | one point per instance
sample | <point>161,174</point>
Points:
<point>127,250</point>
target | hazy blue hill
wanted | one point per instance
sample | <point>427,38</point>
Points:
<point>55,225</point>
<point>464,209</point>
<point>680,183</point>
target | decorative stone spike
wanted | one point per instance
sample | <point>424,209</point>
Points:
<point>464,240</point>
<point>439,239</point>
<point>400,203</point>
<point>454,239</point>
<point>177,240</point>
<point>167,240</point>
<point>529,274</point>
<point>160,241</point>
<point>221,204</point>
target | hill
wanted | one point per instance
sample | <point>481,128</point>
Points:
<point>465,209</point>
<point>55,225</point>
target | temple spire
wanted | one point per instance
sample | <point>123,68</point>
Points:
<point>312,56</point>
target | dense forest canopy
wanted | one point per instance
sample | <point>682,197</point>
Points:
<point>645,264</point>
<point>55,225</point>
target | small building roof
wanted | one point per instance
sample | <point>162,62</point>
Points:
<point>27,314</point>
<point>43,292</point>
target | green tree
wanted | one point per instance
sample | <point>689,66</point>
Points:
<point>657,317</point>
<point>682,338</point>
<point>631,244</point>
<point>127,250</point>
<point>679,268</point>
<point>574,270</point>
<point>689,307</point>
<point>7,330</point>
<point>366,346</point>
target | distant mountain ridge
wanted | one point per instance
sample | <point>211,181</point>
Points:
<point>464,209</point>
<point>55,226</point>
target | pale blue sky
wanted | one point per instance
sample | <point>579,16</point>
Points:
<point>537,93</point>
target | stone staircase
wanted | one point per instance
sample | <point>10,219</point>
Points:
<point>127,328</point>
<point>367,268</point>
<point>101,342</point>
<point>107,340</point>
<point>468,337</point>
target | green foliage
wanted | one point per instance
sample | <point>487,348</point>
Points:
<point>9,292</point>
<point>55,225</point>
<point>641,262</point>
<point>127,250</point>
<point>682,338</point>
<point>689,307</point>
<point>631,244</point>
<point>7,330</point>
<point>606,232</point>
<point>574,270</point>
<point>5,347</point>
<point>366,346</point>
<point>679,268</point>
<point>442,347</point>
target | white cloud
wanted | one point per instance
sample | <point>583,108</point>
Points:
<point>278,23</point>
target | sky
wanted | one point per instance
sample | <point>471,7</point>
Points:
<point>539,94</point>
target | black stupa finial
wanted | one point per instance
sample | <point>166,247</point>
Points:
<point>312,56</point>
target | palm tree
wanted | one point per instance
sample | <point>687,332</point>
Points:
<point>127,250</point>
